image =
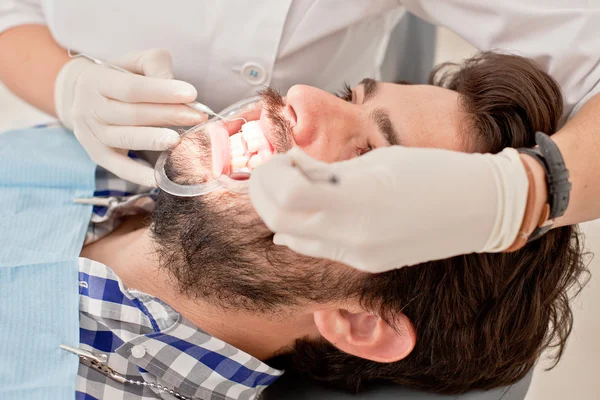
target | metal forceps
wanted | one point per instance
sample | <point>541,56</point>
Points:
<point>111,201</point>
<point>194,104</point>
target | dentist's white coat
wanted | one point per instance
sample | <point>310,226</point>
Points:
<point>229,48</point>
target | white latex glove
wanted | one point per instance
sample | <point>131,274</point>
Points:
<point>394,206</point>
<point>111,112</point>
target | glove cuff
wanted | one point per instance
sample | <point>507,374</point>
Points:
<point>64,89</point>
<point>512,187</point>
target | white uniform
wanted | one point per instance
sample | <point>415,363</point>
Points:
<point>229,48</point>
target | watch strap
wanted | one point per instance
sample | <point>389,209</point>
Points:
<point>549,157</point>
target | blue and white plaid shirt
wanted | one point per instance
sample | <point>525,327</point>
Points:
<point>144,339</point>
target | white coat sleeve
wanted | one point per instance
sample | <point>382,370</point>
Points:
<point>562,36</point>
<point>20,12</point>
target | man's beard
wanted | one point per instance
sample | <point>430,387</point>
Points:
<point>218,250</point>
<point>215,259</point>
<point>216,247</point>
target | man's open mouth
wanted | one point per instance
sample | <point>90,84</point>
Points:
<point>250,147</point>
<point>257,140</point>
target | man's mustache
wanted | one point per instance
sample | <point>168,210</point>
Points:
<point>282,138</point>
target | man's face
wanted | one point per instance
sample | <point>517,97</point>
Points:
<point>372,115</point>
<point>216,245</point>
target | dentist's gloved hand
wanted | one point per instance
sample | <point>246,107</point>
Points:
<point>394,206</point>
<point>111,112</point>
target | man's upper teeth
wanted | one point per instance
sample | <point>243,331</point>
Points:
<point>248,147</point>
<point>238,145</point>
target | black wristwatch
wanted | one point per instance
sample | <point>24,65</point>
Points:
<point>557,180</point>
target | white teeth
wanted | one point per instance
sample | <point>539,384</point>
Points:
<point>253,145</point>
<point>237,152</point>
<point>236,139</point>
<point>249,147</point>
<point>239,162</point>
<point>254,161</point>
<point>251,130</point>
<point>238,145</point>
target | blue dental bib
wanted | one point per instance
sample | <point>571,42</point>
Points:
<point>41,234</point>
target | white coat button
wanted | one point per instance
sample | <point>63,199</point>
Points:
<point>254,73</point>
<point>138,351</point>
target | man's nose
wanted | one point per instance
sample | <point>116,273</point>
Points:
<point>325,124</point>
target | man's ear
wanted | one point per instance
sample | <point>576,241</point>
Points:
<point>366,335</point>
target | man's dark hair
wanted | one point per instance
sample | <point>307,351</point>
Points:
<point>481,320</point>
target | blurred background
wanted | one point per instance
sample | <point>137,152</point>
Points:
<point>577,376</point>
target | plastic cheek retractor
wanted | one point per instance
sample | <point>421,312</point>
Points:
<point>224,173</point>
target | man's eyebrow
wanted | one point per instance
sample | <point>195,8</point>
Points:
<point>382,120</point>
<point>379,115</point>
<point>371,86</point>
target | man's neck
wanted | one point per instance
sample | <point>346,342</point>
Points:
<point>131,254</point>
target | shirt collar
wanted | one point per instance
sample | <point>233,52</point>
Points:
<point>172,348</point>
<point>198,364</point>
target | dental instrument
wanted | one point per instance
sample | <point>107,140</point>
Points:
<point>112,201</point>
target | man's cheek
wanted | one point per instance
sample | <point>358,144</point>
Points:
<point>326,150</point>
